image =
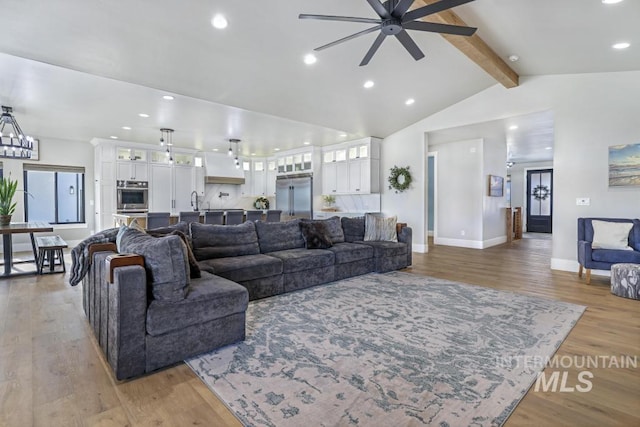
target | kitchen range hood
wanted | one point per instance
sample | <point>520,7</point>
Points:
<point>221,169</point>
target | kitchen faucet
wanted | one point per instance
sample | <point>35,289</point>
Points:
<point>194,205</point>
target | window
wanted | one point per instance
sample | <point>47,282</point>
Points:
<point>54,194</point>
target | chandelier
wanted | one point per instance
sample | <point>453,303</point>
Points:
<point>15,143</point>
<point>235,160</point>
<point>165,139</point>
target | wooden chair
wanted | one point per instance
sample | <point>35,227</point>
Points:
<point>274,215</point>
<point>214,217</point>
<point>253,216</point>
<point>157,219</point>
<point>189,216</point>
<point>234,217</point>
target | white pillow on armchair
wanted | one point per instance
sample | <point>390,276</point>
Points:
<point>611,235</point>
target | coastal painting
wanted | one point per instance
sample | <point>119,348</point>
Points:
<point>624,165</point>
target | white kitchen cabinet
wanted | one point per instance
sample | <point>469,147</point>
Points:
<point>258,177</point>
<point>105,186</point>
<point>355,170</point>
<point>270,183</point>
<point>132,170</point>
<point>295,161</point>
<point>170,188</point>
<point>199,183</point>
<point>335,178</point>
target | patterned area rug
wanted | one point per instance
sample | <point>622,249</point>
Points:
<point>386,349</point>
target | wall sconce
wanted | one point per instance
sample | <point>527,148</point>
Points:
<point>72,190</point>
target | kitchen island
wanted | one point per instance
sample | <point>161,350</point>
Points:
<point>126,218</point>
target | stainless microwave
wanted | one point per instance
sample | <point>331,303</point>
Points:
<point>132,196</point>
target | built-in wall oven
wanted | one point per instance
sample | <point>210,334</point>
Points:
<point>132,196</point>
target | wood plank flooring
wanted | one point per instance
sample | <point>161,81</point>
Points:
<point>53,374</point>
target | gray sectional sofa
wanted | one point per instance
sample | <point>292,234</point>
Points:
<point>149,316</point>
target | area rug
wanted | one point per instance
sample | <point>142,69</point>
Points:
<point>392,349</point>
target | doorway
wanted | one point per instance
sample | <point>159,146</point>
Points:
<point>539,200</point>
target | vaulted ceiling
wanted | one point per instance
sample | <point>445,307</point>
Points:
<point>78,69</point>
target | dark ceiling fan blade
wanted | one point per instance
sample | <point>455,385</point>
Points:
<point>439,28</point>
<point>373,49</point>
<point>379,8</point>
<point>401,8</point>
<point>340,18</point>
<point>352,36</point>
<point>432,8</point>
<point>410,45</point>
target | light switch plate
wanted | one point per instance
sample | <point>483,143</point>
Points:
<point>583,201</point>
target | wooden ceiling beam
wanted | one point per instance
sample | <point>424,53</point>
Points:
<point>474,47</point>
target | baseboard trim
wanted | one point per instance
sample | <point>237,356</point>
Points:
<point>423,249</point>
<point>472,244</point>
<point>494,242</point>
<point>573,266</point>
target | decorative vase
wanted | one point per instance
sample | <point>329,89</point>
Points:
<point>5,219</point>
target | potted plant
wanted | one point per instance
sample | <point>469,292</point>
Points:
<point>7,205</point>
<point>328,200</point>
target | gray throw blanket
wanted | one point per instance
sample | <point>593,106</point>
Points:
<point>80,254</point>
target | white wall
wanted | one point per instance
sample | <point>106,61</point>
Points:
<point>407,148</point>
<point>56,152</point>
<point>591,112</point>
<point>494,218</point>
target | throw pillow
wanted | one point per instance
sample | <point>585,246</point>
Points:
<point>194,268</point>
<point>165,260</point>
<point>334,228</point>
<point>377,228</point>
<point>316,235</point>
<point>611,235</point>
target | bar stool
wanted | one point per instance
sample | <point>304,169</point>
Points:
<point>253,216</point>
<point>234,217</point>
<point>157,219</point>
<point>274,215</point>
<point>214,217</point>
<point>189,216</point>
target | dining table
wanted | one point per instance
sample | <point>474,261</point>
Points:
<point>8,231</point>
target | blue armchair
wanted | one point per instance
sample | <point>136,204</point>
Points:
<point>602,259</point>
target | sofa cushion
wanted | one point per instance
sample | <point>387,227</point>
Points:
<point>165,260</point>
<point>194,269</point>
<point>304,259</point>
<point>377,228</point>
<point>611,235</point>
<point>279,236</point>
<point>243,268</point>
<point>221,241</point>
<point>349,252</point>
<point>387,249</point>
<point>182,226</point>
<point>353,229</point>
<point>334,227</point>
<point>315,235</point>
<point>208,298</point>
<point>615,256</point>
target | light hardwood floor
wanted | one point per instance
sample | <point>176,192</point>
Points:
<point>53,374</point>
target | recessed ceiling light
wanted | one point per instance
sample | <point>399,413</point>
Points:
<point>514,127</point>
<point>611,1</point>
<point>306,143</point>
<point>113,137</point>
<point>145,115</point>
<point>368,84</point>
<point>215,149</point>
<point>253,154</point>
<point>219,22</point>
<point>276,149</point>
<point>622,45</point>
<point>343,135</point>
<point>548,148</point>
<point>126,127</point>
<point>168,97</point>
<point>310,58</point>
<point>514,58</point>
<point>409,101</point>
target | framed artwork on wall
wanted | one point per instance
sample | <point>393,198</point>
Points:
<point>496,186</point>
<point>624,165</point>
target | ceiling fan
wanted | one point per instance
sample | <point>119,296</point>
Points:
<point>395,19</point>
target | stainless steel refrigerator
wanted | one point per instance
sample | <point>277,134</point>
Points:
<point>294,196</point>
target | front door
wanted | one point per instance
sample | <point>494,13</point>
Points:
<point>539,200</point>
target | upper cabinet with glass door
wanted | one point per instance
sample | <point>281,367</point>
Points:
<point>123,153</point>
<point>295,162</point>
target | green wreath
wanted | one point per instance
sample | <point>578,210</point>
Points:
<point>399,179</point>
<point>541,192</point>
